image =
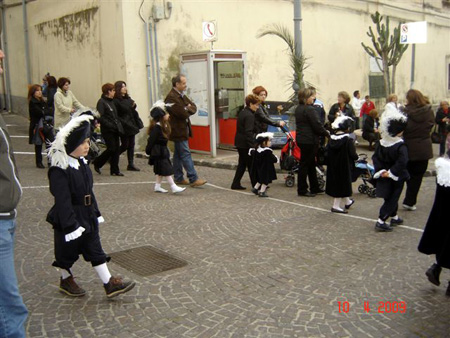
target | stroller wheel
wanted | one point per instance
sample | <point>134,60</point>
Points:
<point>321,182</point>
<point>372,192</point>
<point>362,189</point>
<point>290,181</point>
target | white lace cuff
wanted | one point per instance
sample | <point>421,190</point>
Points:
<point>74,234</point>
<point>278,159</point>
<point>391,175</point>
<point>379,173</point>
<point>100,220</point>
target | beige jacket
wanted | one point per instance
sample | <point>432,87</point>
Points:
<point>64,103</point>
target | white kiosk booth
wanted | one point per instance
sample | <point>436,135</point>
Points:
<point>217,82</point>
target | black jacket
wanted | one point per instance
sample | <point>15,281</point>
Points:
<point>51,101</point>
<point>417,132</point>
<point>37,110</point>
<point>369,125</point>
<point>69,187</point>
<point>126,110</point>
<point>157,145</point>
<point>348,111</point>
<point>109,119</point>
<point>393,158</point>
<point>308,125</point>
<point>442,125</point>
<point>244,131</point>
<point>262,119</point>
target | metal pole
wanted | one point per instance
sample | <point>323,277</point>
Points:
<point>298,26</point>
<point>27,47</point>
<point>158,77</point>
<point>149,75</point>
<point>413,64</point>
<point>7,78</point>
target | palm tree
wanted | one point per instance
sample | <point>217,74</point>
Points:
<point>297,59</point>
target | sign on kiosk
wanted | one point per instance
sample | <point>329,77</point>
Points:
<point>413,32</point>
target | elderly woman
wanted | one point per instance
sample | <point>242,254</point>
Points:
<point>343,107</point>
<point>370,128</point>
<point>244,140</point>
<point>417,138</point>
<point>262,117</point>
<point>65,102</point>
<point>309,128</point>
<point>442,120</point>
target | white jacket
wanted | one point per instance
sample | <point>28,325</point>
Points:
<point>64,103</point>
<point>357,104</point>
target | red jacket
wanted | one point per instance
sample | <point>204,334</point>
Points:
<point>366,108</point>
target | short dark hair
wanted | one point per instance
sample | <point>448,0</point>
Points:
<point>355,93</point>
<point>51,80</point>
<point>258,89</point>
<point>367,97</point>
<point>251,99</point>
<point>107,87</point>
<point>177,79</point>
<point>62,81</point>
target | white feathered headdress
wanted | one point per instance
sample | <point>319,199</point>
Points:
<point>342,122</point>
<point>392,123</point>
<point>87,111</point>
<point>159,105</point>
<point>260,138</point>
<point>57,151</point>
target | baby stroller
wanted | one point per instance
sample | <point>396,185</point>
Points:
<point>366,171</point>
<point>290,161</point>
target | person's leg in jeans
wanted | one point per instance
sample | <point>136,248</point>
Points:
<point>185,160</point>
<point>442,146</point>
<point>177,166</point>
<point>13,312</point>
<point>240,170</point>
<point>416,170</point>
<point>307,153</point>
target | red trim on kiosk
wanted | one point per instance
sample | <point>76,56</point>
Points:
<point>201,140</point>
<point>227,131</point>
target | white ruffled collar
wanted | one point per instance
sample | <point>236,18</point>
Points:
<point>73,162</point>
<point>339,136</point>
<point>260,149</point>
<point>390,141</point>
<point>443,171</point>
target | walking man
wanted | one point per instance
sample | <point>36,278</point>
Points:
<point>13,312</point>
<point>180,111</point>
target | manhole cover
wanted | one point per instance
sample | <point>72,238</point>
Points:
<point>146,260</point>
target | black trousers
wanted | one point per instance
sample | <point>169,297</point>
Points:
<point>245,161</point>
<point>127,143</point>
<point>111,153</point>
<point>38,153</point>
<point>390,205</point>
<point>307,168</point>
<point>416,170</point>
<point>442,145</point>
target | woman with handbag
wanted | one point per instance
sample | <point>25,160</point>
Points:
<point>131,123</point>
<point>37,109</point>
<point>111,129</point>
<point>442,120</point>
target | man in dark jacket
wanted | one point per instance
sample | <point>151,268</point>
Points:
<point>180,111</point>
<point>13,312</point>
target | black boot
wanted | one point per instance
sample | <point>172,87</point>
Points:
<point>433,274</point>
<point>447,293</point>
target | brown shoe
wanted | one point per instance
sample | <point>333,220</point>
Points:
<point>183,182</point>
<point>70,287</point>
<point>116,286</point>
<point>198,183</point>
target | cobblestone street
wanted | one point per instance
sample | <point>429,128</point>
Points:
<point>274,267</point>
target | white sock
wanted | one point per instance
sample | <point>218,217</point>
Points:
<point>263,187</point>
<point>170,181</point>
<point>380,221</point>
<point>395,217</point>
<point>347,200</point>
<point>257,185</point>
<point>65,274</point>
<point>337,204</point>
<point>103,272</point>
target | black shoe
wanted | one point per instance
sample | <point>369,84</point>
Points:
<point>433,274</point>
<point>318,192</point>
<point>447,293</point>
<point>117,174</point>
<point>308,194</point>
<point>339,211</point>
<point>131,167</point>
<point>116,286</point>
<point>263,194</point>
<point>255,191</point>
<point>239,187</point>
<point>347,206</point>
<point>383,227</point>
<point>40,165</point>
<point>395,222</point>
<point>97,169</point>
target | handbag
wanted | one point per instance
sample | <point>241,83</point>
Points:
<point>436,137</point>
<point>138,120</point>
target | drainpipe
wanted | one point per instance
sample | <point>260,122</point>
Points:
<point>298,26</point>
<point>148,65</point>
<point>6,78</point>
<point>158,77</point>
<point>27,47</point>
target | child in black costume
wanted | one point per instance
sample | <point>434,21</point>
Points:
<point>75,215</point>
<point>341,161</point>
<point>264,161</point>
<point>159,132</point>
<point>390,160</point>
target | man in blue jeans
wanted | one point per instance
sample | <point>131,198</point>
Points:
<point>13,312</point>
<point>180,111</point>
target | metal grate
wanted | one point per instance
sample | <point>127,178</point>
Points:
<point>146,260</point>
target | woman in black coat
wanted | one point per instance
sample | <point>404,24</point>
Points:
<point>436,236</point>
<point>111,129</point>
<point>244,140</point>
<point>37,110</point>
<point>442,120</point>
<point>370,128</point>
<point>129,118</point>
<point>309,128</point>
<point>262,116</point>
<point>51,91</point>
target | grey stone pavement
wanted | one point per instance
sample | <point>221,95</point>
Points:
<point>275,267</point>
